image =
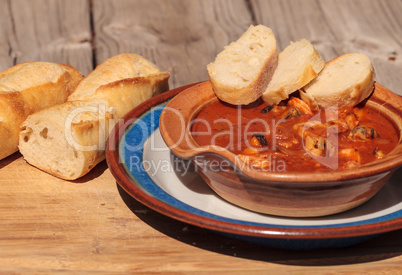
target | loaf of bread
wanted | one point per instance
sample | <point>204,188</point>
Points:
<point>242,71</point>
<point>344,82</point>
<point>298,64</point>
<point>68,140</point>
<point>27,88</point>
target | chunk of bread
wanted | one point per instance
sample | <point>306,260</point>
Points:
<point>242,71</point>
<point>298,64</point>
<point>344,82</point>
<point>27,88</point>
<point>117,68</point>
<point>68,140</point>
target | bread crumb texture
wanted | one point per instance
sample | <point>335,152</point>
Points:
<point>344,82</point>
<point>244,68</point>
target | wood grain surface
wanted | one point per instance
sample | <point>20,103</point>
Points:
<point>91,225</point>
<point>46,30</point>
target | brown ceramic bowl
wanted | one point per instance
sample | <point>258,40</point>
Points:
<point>292,194</point>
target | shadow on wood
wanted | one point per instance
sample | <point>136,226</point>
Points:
<point>383,247</point>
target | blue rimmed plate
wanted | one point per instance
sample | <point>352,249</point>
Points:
<point>144,167</point>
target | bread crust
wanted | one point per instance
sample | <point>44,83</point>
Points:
<point>283,82</point>
<point>121,67</point>
<point>321,92</point>
<point>27,88</point>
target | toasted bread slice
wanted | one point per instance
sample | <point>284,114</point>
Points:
<point>344,82</point>
<point>242,71</point>
<point>298,64</point>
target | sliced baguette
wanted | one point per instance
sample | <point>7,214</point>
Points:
<point>68,140</point>
<point>242,71</point>
<point>344,82</point>
<point>27,88</point>
<point>298,64</point>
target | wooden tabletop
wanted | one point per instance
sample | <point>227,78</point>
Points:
<point>91,225</point>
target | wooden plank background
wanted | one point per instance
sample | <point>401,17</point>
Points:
<point>90,225</point>
<point>183,36</point>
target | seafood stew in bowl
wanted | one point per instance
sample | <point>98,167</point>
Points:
<point>325,165</point>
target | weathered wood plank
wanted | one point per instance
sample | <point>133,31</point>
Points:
<point>8,41</point>
<point>337,27</point>
<point>46,30</point>
<point>181,37</point>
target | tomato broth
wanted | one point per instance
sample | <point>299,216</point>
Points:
<point>292,134</point>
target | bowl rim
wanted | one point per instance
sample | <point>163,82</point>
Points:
<point>199,94</point>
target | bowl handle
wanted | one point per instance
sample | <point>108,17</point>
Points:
<point>176,119</point>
